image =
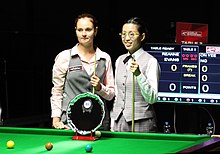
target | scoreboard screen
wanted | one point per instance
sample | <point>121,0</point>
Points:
<point>189,73</point>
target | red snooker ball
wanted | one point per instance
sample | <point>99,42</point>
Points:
<point>49,146</point>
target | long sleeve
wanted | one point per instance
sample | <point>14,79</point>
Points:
<point>108,89</point>
<point>58,78</point>
<point>148,82</point>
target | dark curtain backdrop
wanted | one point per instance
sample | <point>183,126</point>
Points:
<point>33,32</point>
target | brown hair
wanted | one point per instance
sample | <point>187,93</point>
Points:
<point>88,15</point>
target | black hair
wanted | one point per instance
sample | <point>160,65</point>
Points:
<point>142,28</point>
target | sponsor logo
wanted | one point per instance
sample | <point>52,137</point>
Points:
<point>191,33</point>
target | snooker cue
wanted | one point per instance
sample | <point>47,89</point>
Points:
<point>93,88</point>
<point>133,106</point>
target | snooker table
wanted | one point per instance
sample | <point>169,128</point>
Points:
<point>33,140</point>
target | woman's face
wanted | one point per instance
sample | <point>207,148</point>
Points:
<point>131,38</point>
<point>85,31</point>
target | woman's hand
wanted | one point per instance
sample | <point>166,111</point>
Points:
<point>95,81</point>
<point>57,124</point>
<point>134,68</point>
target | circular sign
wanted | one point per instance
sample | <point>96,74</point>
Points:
<point>85,113</point>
